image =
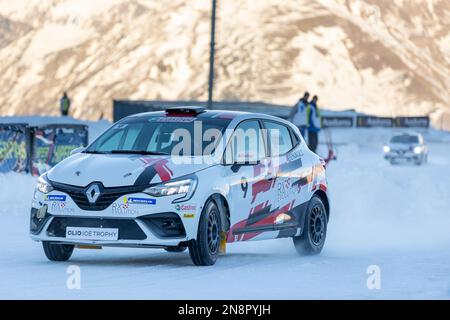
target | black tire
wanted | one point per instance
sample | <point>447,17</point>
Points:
<point>57,252</point>
<point>205,249</point>
<point>176,249</point>
<point>312,239</point>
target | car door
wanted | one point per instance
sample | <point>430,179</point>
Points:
<point>250,181</point>
<point>293,174</point>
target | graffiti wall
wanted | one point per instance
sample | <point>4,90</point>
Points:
<point>52,143</point>
<point>14,147</point>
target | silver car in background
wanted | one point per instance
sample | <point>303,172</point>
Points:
<point>406,147</point>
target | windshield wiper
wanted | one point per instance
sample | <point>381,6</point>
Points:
<point>94,152</point>
<point>143,152</point>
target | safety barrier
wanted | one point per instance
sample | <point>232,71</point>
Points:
<point>330,119</point>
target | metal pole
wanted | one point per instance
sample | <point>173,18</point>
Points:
<point>211,55</point>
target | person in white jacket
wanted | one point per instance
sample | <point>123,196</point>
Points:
<point>298,115</point>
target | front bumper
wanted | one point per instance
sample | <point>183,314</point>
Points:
<point>400,155</point>
<point>156,223</point>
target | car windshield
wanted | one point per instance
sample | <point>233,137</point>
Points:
<point>405,139</point>
<point>161,135</point>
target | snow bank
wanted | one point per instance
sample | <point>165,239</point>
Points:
<point>395,217</point>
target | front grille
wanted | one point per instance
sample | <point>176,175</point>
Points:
<point>106,198</point>
<point>128,228</point>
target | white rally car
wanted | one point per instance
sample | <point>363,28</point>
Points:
<point>407,147</point>
<point>184,178</point>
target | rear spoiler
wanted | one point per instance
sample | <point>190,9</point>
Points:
<point>186,110</point>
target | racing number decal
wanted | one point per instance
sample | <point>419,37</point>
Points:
<point>244,186</point>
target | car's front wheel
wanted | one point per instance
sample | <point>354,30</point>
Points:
<point>419,161</point>
<point>205,249</point>
<point>312,239</point>
<point>57,252</point>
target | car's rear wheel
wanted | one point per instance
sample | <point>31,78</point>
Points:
<point>57,252</point>
<point>179,248</point>
<point>205,249</point>
<point>312,239</point>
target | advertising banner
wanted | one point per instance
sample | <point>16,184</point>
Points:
<point>412,122</point>
<point>14,147</point>
<point>371,122</point>
<point>337,122</point>
<point>52,143</point>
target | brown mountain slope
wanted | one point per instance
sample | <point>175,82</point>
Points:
<point>384,57</point>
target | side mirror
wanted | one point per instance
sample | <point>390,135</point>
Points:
<point>77,150</point>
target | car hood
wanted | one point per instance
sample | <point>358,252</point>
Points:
<point>114,170</point>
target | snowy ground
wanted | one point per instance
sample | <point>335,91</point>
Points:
<point>395,217</point>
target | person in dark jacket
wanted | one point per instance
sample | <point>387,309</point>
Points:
<point>314,123</point>
<point>298,114</point>
<point>64,104</point>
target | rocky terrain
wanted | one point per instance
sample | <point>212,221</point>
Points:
<point>383,57</point>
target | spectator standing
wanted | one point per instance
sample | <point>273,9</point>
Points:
<point>298,114</point>
<point>64,104</point>
<point>314,123</point>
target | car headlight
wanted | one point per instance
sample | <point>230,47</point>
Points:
<point>43,184</point>
<point>386,149</point>
<point>417,150</point>
<point>185,187</point>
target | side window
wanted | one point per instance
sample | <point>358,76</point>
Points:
<point>294,137</point>
<point>246,145</point>
<point>279,138</point>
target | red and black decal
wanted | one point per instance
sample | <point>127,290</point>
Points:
<point>260,216</point>
<point>153,167</point>
<point>262,185</point>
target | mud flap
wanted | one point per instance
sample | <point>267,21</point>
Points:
<point>223,243</point>
<point>89,247</point>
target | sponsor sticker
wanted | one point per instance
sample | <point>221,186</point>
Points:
<point>56,197</point>
<point>189,215</point>
<point>186,207</point>
<point>133,200</point>
<point>61,208</point>
<point>171,119</point>
<point>123,208</point>
<point>292,156</point>
<point>120,126</point>
<point>286,189</point>
<point>92,233</point>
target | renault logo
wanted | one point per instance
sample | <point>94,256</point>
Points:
<point>92,193</point>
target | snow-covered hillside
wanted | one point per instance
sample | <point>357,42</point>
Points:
<point>381,57</point>
<point>394,217</point>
